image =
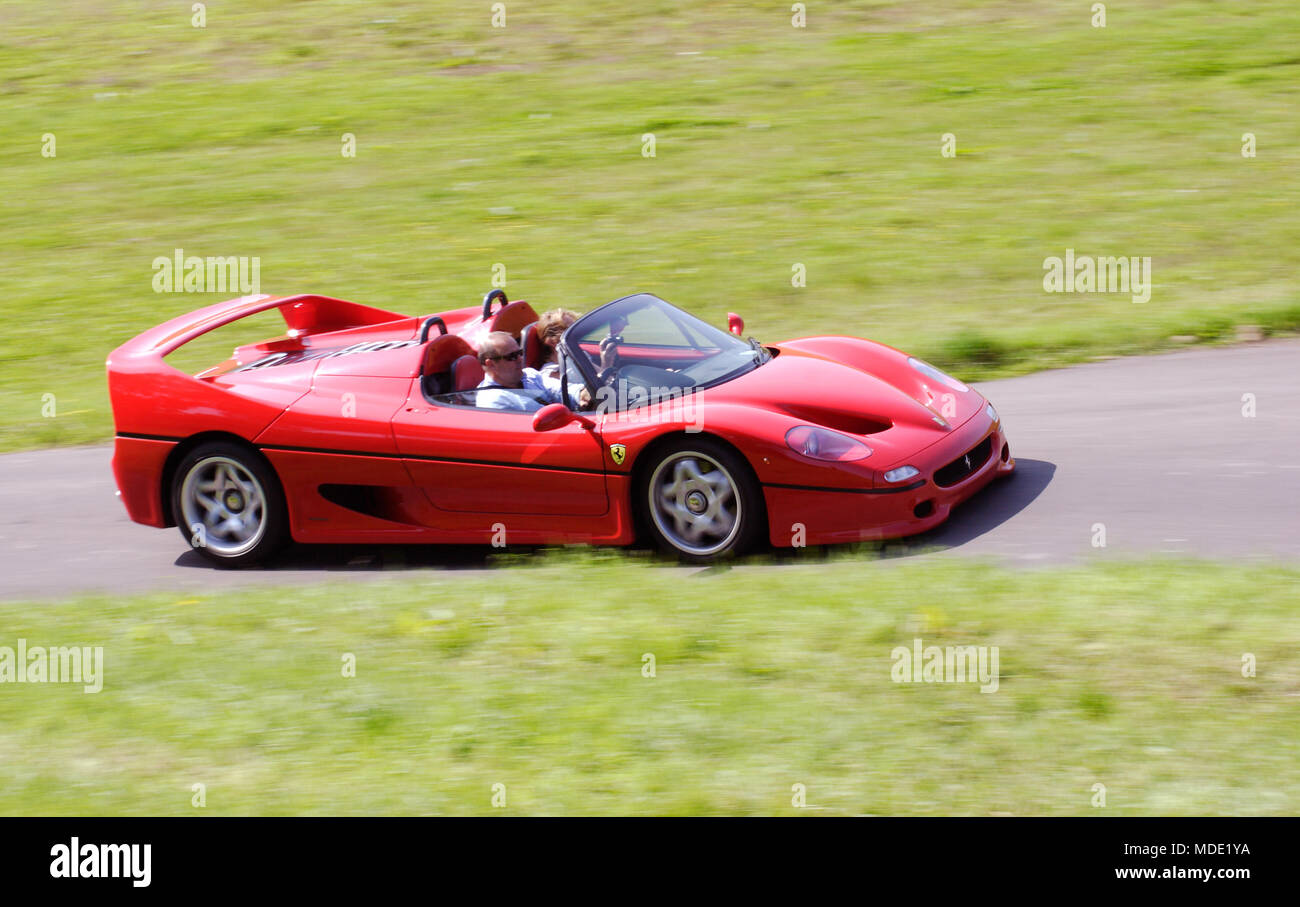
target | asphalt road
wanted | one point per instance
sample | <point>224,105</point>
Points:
<point>1155,449</point>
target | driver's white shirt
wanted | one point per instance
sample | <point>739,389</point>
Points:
<point>545,389</point>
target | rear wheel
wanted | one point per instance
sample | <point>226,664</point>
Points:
<point>229,505</point>
<point>701,501</point>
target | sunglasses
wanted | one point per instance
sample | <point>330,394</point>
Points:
<point>509,357</point>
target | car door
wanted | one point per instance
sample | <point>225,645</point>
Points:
<point>474,460</point>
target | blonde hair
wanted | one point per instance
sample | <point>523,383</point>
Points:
<point>554,323</point>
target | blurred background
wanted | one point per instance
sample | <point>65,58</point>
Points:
<point>774,146</point>
<point>784,161</point>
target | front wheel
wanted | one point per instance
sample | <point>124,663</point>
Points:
<point>701,501</point>
<point>229,505</point>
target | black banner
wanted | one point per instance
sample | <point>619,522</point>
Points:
<point>333,856</point>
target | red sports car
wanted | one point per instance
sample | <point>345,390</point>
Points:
<point>360,425</point>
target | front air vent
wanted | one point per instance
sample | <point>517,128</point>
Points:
<point>964,465</point>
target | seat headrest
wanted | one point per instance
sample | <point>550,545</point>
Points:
<point>441,352</point>
<point>530,341</point>
<point>466,373</point>
<point>513,318</point>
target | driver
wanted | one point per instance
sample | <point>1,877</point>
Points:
<point>507,384</point>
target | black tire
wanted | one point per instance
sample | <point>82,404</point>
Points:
<point>229,505</point>
<point>697,499</point>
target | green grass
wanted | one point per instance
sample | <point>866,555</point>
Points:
<point>522,145</point>
<point>1127,675</point>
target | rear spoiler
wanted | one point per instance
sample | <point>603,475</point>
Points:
<point>304,315</point>
<point>138,377</point>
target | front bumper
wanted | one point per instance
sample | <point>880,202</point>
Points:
<point>816,516</point>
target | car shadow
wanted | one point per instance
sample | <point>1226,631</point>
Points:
<point>992,506</point>
<point>361,558</point>
<point>989,508</point>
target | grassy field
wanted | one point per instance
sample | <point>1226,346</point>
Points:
<point>523,145</point>
<point>1128,676</point>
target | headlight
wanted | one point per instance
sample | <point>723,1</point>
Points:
<point>992,413</point>
<point>901,474</point>
<point>934,374</point>
<point>824,444</point>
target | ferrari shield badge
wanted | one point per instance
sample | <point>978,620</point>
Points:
<point>618,452</point>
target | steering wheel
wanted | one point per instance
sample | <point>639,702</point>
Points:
<point>609,357</point>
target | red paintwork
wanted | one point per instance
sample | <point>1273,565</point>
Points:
<point>453,475</point>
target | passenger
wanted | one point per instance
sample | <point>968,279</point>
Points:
<point>550,328</point>
<point>507,383</point>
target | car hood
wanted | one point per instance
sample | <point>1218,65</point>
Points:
<point>895,418</point>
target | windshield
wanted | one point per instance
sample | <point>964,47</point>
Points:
<point>650,344</point>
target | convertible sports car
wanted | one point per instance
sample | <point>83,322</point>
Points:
<point>360,425</point>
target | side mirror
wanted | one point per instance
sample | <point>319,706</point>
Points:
<point>557,415</point>
<point>735,324</point>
